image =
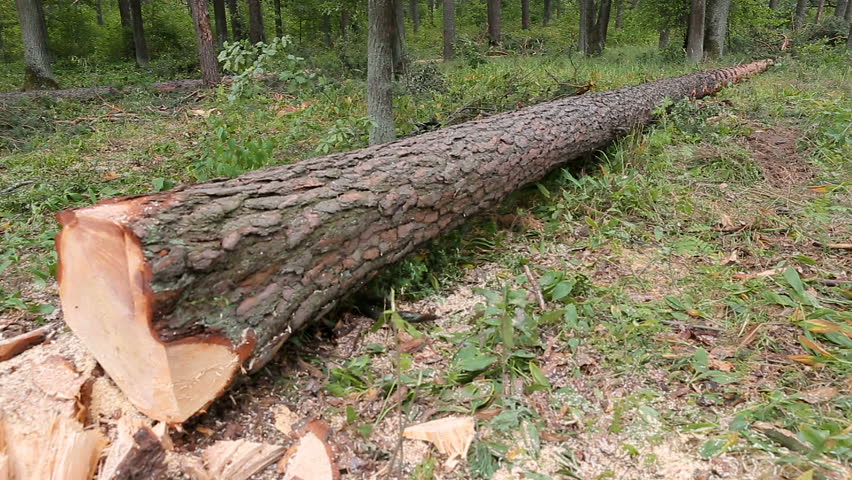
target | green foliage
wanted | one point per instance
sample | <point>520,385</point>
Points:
<point>345,134</point>
<point>248,62</point>
<point>228,156</point>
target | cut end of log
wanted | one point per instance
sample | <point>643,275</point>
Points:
<point>108,303</point>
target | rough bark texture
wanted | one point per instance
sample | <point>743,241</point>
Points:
<point>820,8</point>
<point>140,45</point>
<point>773,4</point>
<point>449,11</point>
<point>206,48</point>
<point>695,35</point>
<point>37,71</point>
<point>619,14</point>
<point>279,23</point>
<point>380,42</point>
<point>595,17</point>
<point>243,263</point>
<point>840,9</point>
<point>257,31</point>
<point>548,12</point>
<point>495,16</point>
<point>525,14</point>
<point>716,28</point>
<point>236,20</point>
<point>587,8</point>
<point>124,12</point>
<point>221,22</point>
<point>801,13</point>
<point>398,29</point>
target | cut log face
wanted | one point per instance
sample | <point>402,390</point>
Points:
<point>173,292</point>
<point>239,459</point>
<point>136,453</point>
<point>311,457</point>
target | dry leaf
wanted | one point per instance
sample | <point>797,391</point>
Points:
<point>819,395</point>
<point>750,336</point>
<point>820,325</point>
<point>821,188</point>
<point>206,431</point>
<point>110,176</point>
<point>811,344</point>
<point>452,436</point>
<point>809,360</point>
<point>840,246</point>
<point>721,365</point>
<point>412,345</point>
<point>202,113</point>
<point>285,419</point>
<point>763,274</point>
<point>731,259</point>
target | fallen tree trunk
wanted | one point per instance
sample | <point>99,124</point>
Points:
<point>175,292</point>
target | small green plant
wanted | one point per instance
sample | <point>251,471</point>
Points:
<point>248,61</point>
<point>226,156</point>
<point>345,134</point>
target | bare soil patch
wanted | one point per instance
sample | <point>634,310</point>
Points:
<point>774,152</point>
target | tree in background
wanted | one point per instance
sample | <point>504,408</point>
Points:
<point>414,13</point>
<point>841,8</point>
<point>773,4</point>
<point>801,13</point>
<point>221,22</point>
<point>525,14</point>
<point>716,28</point>
<point>37,71</point>
<point>236,20</point>
<point>695,33</point>
<point>594,25</point>
<point>279,24</point>
<point>257,31</point>
<point>548,12</point>
<point>140,45</point>
<point>206,46</point>
<point>449,29</point>
<point>381,17</point>
<point>398,30</point>
<point>494,22</point>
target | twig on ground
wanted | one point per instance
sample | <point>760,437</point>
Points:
<point>16,186</point>
<point>536,289</point>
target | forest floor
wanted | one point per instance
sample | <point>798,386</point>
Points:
<point>695,277</point>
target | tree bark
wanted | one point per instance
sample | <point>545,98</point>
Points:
<point>174,293</point>
<point>716,28</point>
<point>587,8</point>
<point>663,41</point>
<point>548,12</point>
<point>820,8</point>
<point>495,15</point>
<point>382,18</point>
<point>257,31</point>
<point>326,30</point>
<point>279,22</point>
<point>398,38</point>
<point>619,14</point>
<point>597,24</point>
<point>124,12</point>
<point>848,39</point>
<point>414,12</point>
<point>801,13</point>
<point>99,11</point>
<point>236,21</point>
<point>221,22</point>
<point>848,16</point>
<point>140,45</point>
<point>38,73</point>
<point>695,34</point>
<point>345,20</point>
<point>840,9</point>
<point>206,47</point>
<point>525,14</point>
<point>449,12</point>
<point>773,4</point>
<point>430,4</point>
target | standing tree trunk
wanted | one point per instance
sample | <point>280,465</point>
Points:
<point>257,31</point>
<point>619,14</point>
<point>380,68</point>
<point>848,16</point>
<point>494,22</point>
<point>221,22</point>
<point>773,4</point>
<point>430,4</point>
<point>839,10</point>
<point>37,71</point>
<point>345,21</point>
<point>597,24</point>
<point>100,12</point>
<point>587,8</point>
<point>326,30</point>
<point>237,29</point>
<point>820,8</point>
<point>695,34</point>
<point>848,39</point>
<point>414,12</point>
<point>398,38</point>
<point>124,12</point>
<point>139,43</point>
<point>525,14</point>
<point>663,41</point>
<point>206,46</point>
<point>548,12</point>
<point>175,293</point>
<point>801,13</point>
<point>279,23</point>
<point>716,28</point>
<point>449,11</point>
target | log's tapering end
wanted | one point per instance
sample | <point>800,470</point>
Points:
<point>104,286</point>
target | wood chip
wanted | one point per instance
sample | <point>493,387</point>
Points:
<point>819,395</point>
<point>66,451</point>
<point>452,436</point>
<point>137,452</point>
<point>311,457</point>
<point>285,419</point>
<point>239,459</point>
<point>11,347</point>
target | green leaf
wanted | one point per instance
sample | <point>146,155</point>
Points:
<point>42,309</point>
<point>539,377</point>
<point>562,290</point>
<point>711,448</point>
<point>792,277</point>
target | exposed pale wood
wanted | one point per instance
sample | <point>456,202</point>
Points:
<point>311,457</point>
<point>174,292</point>
<point>5,469</point>
<point>239,459</point>
<point>136,453</point>
<point>65,451</point>
<point>452,436</point>
<point>10,347</point>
